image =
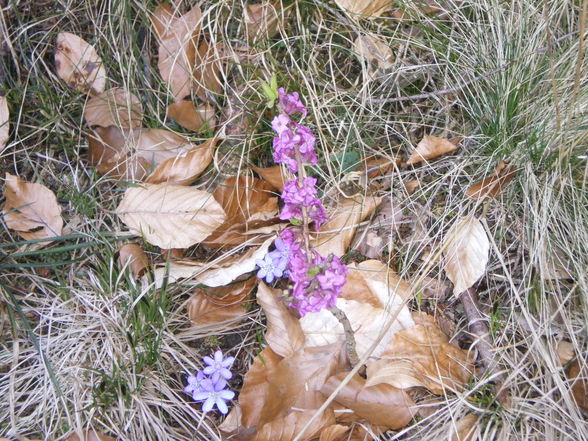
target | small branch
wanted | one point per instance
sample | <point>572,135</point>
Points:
<point>349,335</point>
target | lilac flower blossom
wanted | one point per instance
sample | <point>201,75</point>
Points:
<point>217,367</point>
<point>194,382</point>
<point>214,392</point>
<point>290,103</point>
<point>270,267</point>
<point>296,197</point>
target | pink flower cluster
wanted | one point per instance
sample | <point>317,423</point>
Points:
<point>316,281</point>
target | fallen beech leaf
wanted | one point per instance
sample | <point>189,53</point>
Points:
<point>262,20</point>
<point>207,70</point>
<point>431,147</point>
<point>276,176</point>
<point>90,435</point>
<point>382,405</point>
<point>420,356</point>
<point>375,53</point>
<point>465,428</point>
<point>115,107</point>
<point>177,46</point>
<point>334,432</point>
<point>219,274</point>
<point>31,209</point>
<point>4,122</point>
<point>466,253</point>
<point>215,305</point>
<point>131,154</point>
<point>170,216</point>
<point>565,352</point>
<point>284,334</point>
<point>336,234</point>
<point>186,167</point>
<point>78,64</point>
<point>251,207</point>
<point>191,118</point>
<point>579,386</point>
<point>492,185</point>
<point>366,8</point>
<point>132,256</point>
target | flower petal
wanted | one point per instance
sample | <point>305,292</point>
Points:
<point>222,406</point>
<point>220,385</point>
<point>208,360</point>
<point>228,361</point>
<point>225,373</point>
<point>189,389</point>
<point>208,370</point>
<point>200,395</point>
<point>226,394</point>
<point>207,406</point>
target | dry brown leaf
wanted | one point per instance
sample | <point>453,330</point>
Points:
<point>132,256</point>
<point>90,435</point>
<point>431,147</point>
<point>177,46</point>
<point>565,352</point>
<point>382,405</point>
<point>284,334</point>
<point>220,273</point>
<point>579,386</point>
<point>420,356</point>
<point>251,207</point>
<point>374,52</point>
<point>4,122</point>
<point>78,64</point>
<point>115,107</point>
<point>216,305</point>
<point>131,154</point>
<point>464,428</point>
<point>366,8</point>
<point>466,253</point>
<point>372,295</point>
<point>31,209</point>
<point>334,432</point>
<point>170,216</point>
<point>186,167</point>
<point>191,118</point>
<point>336,234</point>
<point>207,70</point>
<point>492,185</point>
<point>276,176</point>
<point>262,20</point>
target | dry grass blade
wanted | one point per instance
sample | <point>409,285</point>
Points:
<point>115,107</point>
<point>4,122</point>
<point>78,64</point>
<point>31,209</point>
<point>170,216</point>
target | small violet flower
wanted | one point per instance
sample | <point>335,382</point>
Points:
<point>214,392</point>
<point>217,367</point>
<point>290,103</point>
<point>270,268</point>
<point>194,382</point>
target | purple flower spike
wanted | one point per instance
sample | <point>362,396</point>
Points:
<point>194,382</point>
<point>290,103</point>
<point>217,367</point>
<point>214,393</point>
<point>270,268</point>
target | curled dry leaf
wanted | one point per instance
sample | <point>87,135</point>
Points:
<point>131,154</point>
<point>31,209</point>
<point>216,305</point>
<point>577,374</point>
<point>115,107</point>
<point>197,119</point>
<point>334,432</point>
<point>382,405</point>
<point>207,70</point>
<point>276,176</point>
<point>170,216</point>
<point>251,207</point>
<point>78,64</point>
<point>284,334</point>
<point>132,256</point>
<point>431,147</point>
<point>465,428</point>
<point>220,273</point>
<point>185,167</point>
<point>421,356</point>
<point>492,185</point>
<point>374,52</point>
<point>366,8</point>
<point>466,253</point>
<point>372,296</point>
<point>565,352</point>
<point>336,234</point>
<point>177,46</point>
<point>4,124</point>
<point>262,20</point>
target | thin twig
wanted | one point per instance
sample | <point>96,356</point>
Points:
<point>349,335</point>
